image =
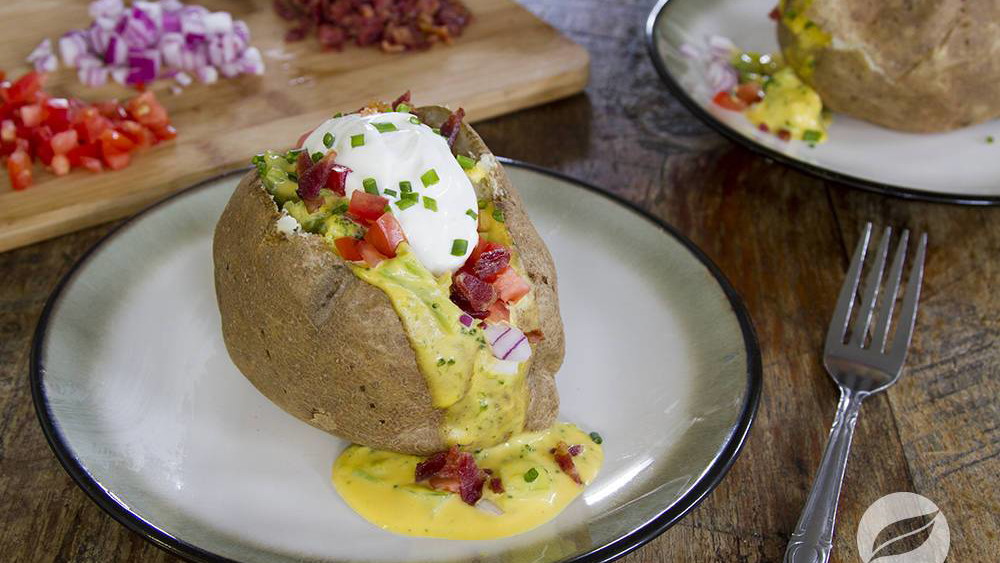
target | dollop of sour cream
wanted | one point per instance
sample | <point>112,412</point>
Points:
<point>392,148</point>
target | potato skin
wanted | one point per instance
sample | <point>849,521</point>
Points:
<point>938,68</point>
<point>329,348</point>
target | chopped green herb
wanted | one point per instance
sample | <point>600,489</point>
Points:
<point>393,193</point>
<point>407,200</point>
<point>466,162</point>
<point>530,475</point>
<point>370,185</point>
<point>292,176</point>
<point>338,114</point>
<point>498,215</point>
<point>403,108</point>
<point>483,203</point>
<point>317,156</point>
<point>415,120</point>
<point>596,437</point>
<point>384,127</point>
<point>293,155</point>
<point>459,246</point>
<point>472,214</point>
<point>358,140</point>
<point>405,187</point>
<point>441,362</point>
<point>811,135</point>
<point>430,178</point>
<point>430,203</point>
<point>340,209</point>
<point>328,140</point>
<point>436,130</point>
<point>989,139</point>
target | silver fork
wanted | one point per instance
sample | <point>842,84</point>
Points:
<point>859,369</point>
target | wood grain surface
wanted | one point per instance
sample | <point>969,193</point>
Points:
<point>781,237</point>
<point>507,59</point>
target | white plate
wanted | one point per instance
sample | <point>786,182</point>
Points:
<point>956,167</point>
<point>144,408</point>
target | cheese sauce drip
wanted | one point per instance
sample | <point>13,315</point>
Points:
<point>380,486</point>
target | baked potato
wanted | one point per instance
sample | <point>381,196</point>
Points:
<point>911,65</point>
<point>331,348</point>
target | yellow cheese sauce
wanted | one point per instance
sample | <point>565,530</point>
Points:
<point>379,485</point>
<point>809,37</point>
<point>790,105</point>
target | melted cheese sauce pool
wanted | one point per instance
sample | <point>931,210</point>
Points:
<point>389,148</point>
<point>379,486</point>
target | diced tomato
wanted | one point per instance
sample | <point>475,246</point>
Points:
<point>511,286</point>
<point>90,124</point>
<point>112,110</point>
<point>784,134</point>
<point>41,144</point>
<point>385,234</point>
<point>347,247</point>
<point>165,133</point>
<point>750,93</point>
<point>31,115</point>
<point>60,165</point>
<point>146,109</point>
<point>366,207</point>
<point>19,169</point>
<point>80,152</point>
<point>91,163</point>
<point>118,161</point>
<point>64,142</point>
<point>8,131</point>
<point>113,142</point>
<point>142,137</point>
<point>26,88</point>
<point>498,313</point>
<point>371,255</point>
<point>57,114</point>
<point>775,14</point>
<point>725,100</point>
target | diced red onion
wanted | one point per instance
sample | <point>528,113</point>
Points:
<point>144,67</point>
<point>720,47</point>
<point>465,320</point>
<point>48,63</point>
<point>252,62</point>
<point>93,75</point>
<point>43,50</point>
<point>107,12</point>
<point>722,77</point>
<point>183,78</point>
<point>120,74</point>
<point>218,23</point>
<point>489,507</point>
<point>689,51</point>
<point>87,60</point>
<point>117,51</point>
<point>72,46</point>
<point>208,74</point>
<point>153,11</point>
<point>98,38</point>
<point>508,342</point>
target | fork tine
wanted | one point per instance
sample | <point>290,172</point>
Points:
<point>881,331</point>
<point>870,297</point>
<point>842,312</point>
<point>908,314</point>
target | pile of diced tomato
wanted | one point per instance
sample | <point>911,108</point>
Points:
<point>67,133</point>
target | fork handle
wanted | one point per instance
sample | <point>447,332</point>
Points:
<point>813,537</point>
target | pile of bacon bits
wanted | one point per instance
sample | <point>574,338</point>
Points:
<point>456,471</point>
<point>67,133</point>
<point>394,25</point>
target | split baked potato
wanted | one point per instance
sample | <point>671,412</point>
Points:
<point>329,348</point>
<point>911,65</point>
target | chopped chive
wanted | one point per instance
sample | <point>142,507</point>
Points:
<point>340,209</point>
<point>384,127</point>
<point>465,162</point>
<point>482,203</point>
<point>436,130</point>
<point>357,140</point>
<point>328,140</point>
<point>292,155</point>
<point>498,215</point>
<point>414,120</point>
<point>293,177</point>
<point>405,187</point>
<point>370,185</point>
<point>811,135</point>
<point>459,246</point>
<point>338,114</point>
<point>530,475</point>
<point>403,108</point>
<point>405,203</point>
<point>387,191</point>
<point>430,203</point>
<point>317,156</point>
<point>411,196</point>
<point>596,437</point>
<point>472,214</point>
<point>430,178</point>
<point>989,139</point>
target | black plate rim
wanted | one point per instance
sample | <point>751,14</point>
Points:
<point>710,478</point>
<point>660,11</point>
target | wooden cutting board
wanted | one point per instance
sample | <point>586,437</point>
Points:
<point>506,60</point>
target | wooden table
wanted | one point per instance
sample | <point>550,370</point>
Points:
<point>781,237</point>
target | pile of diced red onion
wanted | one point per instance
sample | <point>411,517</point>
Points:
<point>149,40</point>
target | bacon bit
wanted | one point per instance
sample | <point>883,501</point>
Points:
<point>775,14</point>
<point>565,460</point>
<point>472,295</point>
<point>784,135</point>
<point>496,485</point>
<point>575,450</point>
<point>492,260</point>
<point>763,127</point>
<point>402,99</point>
<point>314,177</point>
<point>452,125</point>
<point>535,336</point>
<point>454,471</point>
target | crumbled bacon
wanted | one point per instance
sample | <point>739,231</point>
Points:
<point>452,125</point>
<point>575,450</point>
<point>453,471</point>
<point>535,336</point>
<point>472,294</point>
<point>492,260</point>
<point>323,174</point>
<point>496,485</point>
<point>404,98</point>
<point>565,460</point>
<point>394,25</point>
